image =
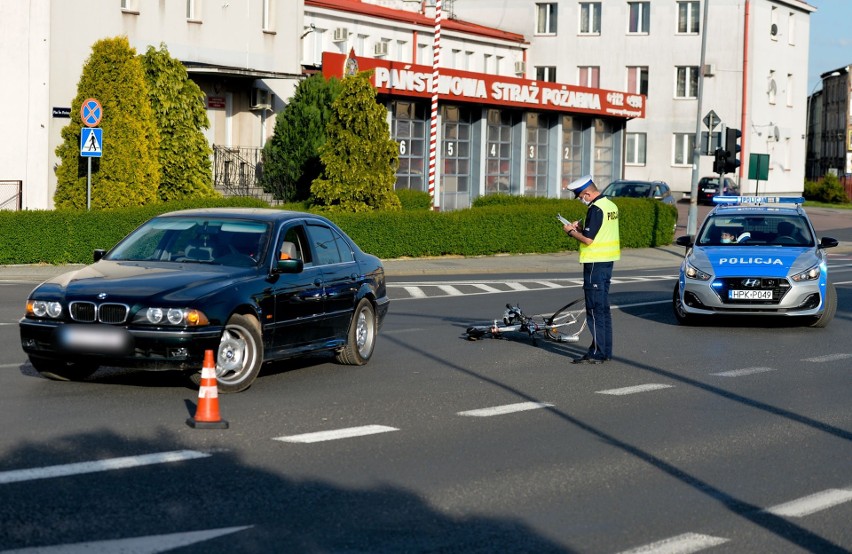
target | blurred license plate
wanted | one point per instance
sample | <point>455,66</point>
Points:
<point>750,294</point>
<point>94,338</point>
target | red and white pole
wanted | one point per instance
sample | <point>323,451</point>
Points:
<point>433,135</point>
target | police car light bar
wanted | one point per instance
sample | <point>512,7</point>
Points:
<point>759,199</point>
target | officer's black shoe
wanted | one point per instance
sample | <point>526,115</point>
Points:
<point>588,360</point>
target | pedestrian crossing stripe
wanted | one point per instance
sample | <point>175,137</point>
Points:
<point>91,142</point>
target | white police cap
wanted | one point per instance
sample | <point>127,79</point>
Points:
<point>580,184</point>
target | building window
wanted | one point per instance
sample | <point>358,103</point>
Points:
<point>604,158</point>
<point>773,23</point>
<point>545,73</point>
<point>791,29</point>
<point>590,18</point>
<point>572,150</point>
<point>130,6</point>
<point>498,154</point>
<point>684,143</point>
<point>640,17</point>
<point>457,129</point>
<point>790,86</point>
<point>637,80</point>
<point>688,18</point>
<point>488,63</point>
<point>687,82</point>
<point>190,10</point>
<point>537,162</point>
<point>424,54</point>
<point>589,76</point>
<point>268,15</point>
<point>408,129</point>
<point>635,148</point>
<point>772,88</point>
<point>545,19</point>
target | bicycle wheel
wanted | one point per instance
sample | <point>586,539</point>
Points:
<point>568,322</point>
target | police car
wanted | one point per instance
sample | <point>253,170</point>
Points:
<point>755,256</point>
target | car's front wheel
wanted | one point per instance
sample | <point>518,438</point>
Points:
<point>239,355</point>
<point>361,339</point>
<point>830,307</point>
<point>58,370</point>
<point>680,313</point>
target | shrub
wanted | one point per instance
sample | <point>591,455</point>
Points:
<point>828,190</point>
<point>414,199</point>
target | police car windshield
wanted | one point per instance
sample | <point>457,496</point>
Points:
<point>755,230</point>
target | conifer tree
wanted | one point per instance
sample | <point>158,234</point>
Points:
<point>128,173</point>
<point>359,158</point>
<point>291,156</point>
<point>178,105</point>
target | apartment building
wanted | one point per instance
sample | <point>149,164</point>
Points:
<point>829,127</point>
<point>753,75</point>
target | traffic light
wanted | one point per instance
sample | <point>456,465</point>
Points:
<point>732,147</point>
<point>719,161</point>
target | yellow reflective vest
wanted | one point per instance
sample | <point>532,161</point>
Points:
<point>606,246</point>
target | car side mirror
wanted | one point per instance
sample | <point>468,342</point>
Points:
<point>828,242</point>
<point>685,240</point>
<point>98,254</point>
<point>289,266</point>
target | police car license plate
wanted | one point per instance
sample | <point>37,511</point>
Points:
<point>750,294</point>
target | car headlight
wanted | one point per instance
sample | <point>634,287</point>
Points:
<point>807,275</point>
<point>171,316</point>
<point>693,272</point>
<point>44,308</point>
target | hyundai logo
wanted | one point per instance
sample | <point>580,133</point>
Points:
<point>751,283</point>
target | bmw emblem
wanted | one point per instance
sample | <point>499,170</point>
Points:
<point>102,296</point>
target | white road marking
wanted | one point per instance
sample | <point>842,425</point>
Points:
<point>136,545</point>
<point>12,365</point>
<point>450,290</point>
<point>744,371</point>
<point>514,285</point>
<point>337,434</point>
<point>634,390</point>
<point>415,292</point>
<point>550,284</point>
<point>486,288</point>
<point>813,503</point>
<point>828,358</point>
<point>507,409</point>
<point>681,544</point>
<point>49,472</point>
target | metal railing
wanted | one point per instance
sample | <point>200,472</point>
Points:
<point>236,171</point>
<point>11,195</point>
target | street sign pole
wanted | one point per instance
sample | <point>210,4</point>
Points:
<point>89,184</point>
<point>91,113</point>
<point>692,219</point>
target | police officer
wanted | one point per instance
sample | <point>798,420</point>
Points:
<point>599,248</point>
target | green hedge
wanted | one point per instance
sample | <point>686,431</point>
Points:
<point>499,226</point>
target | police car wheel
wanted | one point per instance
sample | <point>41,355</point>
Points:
<point>682,317</point>
<point>830,308</point>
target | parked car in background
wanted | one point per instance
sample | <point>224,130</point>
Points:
<point>708,188</point>
<point>252,285</point>
<point>640,189</point>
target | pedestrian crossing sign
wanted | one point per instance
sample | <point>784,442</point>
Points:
<point>91,142</point>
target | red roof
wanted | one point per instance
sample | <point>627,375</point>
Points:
<point>363,8</point>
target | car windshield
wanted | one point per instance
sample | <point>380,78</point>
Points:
<point>195,239</point>
<point>755,230</point>
<point>632,190</point>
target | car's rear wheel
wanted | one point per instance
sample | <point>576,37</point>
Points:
<point>830,307</point>
<point>361,339</point>
<point>58,370</point>
<point>680,313</point>
<point>239,355</point>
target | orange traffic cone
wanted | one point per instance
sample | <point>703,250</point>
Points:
<point>207,413</point>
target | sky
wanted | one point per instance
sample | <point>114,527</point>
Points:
<point>831,39</point>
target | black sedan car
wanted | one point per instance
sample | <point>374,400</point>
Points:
<point>253,285</point>
<point>640,189</point>
<point>708,188</point>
